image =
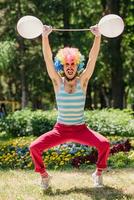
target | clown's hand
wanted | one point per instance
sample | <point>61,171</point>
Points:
<point>46,30</point>
<point>95,30</point>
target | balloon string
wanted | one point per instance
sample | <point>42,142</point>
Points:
<point>86,29</point>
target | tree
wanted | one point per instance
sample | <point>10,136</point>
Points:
<point>116,51</point>
<point>24,76</point>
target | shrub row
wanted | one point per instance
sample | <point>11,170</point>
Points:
<point>106,122</point>
<point>111,122</point>
<point>27,122</point>
<point>15,154</point>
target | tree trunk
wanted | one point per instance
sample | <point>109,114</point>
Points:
<point>66,22</point>
<point>95,97</point>
<point>24,101</point>
<point>88,104</point>
<point>104,99</point>
<point>117,74</point>
<point>112,6</point>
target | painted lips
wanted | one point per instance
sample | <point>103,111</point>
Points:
<point>70,72</point>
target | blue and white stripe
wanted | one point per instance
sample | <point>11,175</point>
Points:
<point>70,106</point>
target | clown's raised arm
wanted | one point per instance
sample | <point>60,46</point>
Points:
<point>69,60</point>
<point>93,54</point>
<point>47,53</point>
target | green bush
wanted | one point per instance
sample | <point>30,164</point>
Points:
<point>27,122</point>
<point>42,121</point>
<point>121,160</point>
<point>18,123</point>
<point>111,122</point>
<point>107,122</point>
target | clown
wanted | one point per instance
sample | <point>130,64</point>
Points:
<point>70,80</point>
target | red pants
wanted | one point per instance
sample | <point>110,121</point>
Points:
<point>69,133</point>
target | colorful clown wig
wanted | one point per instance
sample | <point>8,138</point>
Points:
<point>68,54</point>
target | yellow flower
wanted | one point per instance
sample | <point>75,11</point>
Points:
<point>61,163</point>
<point>29,164</point>
<point>58,159</point>
<point>66,159</point>
<point>78,153</point>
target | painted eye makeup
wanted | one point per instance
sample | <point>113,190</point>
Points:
<point>68,64</point>
<point>72,64</point>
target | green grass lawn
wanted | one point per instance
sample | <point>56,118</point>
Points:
<point>66,185</point>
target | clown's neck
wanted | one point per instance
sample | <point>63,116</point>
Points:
<point>70,81</point>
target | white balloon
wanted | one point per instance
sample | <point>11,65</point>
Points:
<point>29,27</point>
<point>111,25</point>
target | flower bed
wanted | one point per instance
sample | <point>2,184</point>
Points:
<point>15,154</point>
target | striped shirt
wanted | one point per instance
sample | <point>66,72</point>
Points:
<point>70,105</point>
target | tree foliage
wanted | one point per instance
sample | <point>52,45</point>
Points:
<point>23,62</point>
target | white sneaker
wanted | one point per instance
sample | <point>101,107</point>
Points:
<point>98,180</point>
<point>45,182</point>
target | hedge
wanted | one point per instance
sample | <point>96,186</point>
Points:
<point>106,121</point>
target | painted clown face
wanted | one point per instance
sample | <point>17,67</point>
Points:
<point>69,62</point>
<point>70,67</point>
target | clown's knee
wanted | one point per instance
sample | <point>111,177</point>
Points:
<point>105,144</point>
<point>33,147</point>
